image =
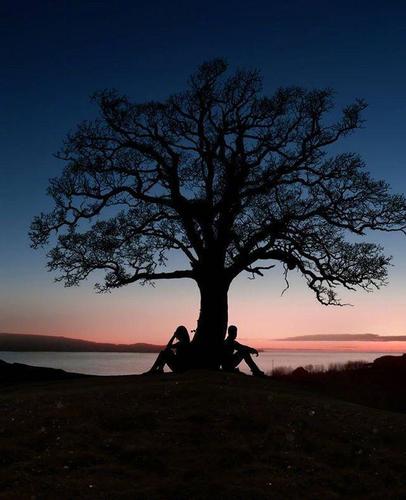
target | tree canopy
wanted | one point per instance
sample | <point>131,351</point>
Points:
<point>232,178</point>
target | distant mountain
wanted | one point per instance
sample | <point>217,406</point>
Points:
<point>23,342</point>
<point>365,337</point>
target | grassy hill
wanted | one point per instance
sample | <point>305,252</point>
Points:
<point>194,436</point>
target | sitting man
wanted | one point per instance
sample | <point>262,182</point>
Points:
<point>176,356</point>
<point>234,353</point>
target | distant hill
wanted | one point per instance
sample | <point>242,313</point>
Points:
<point>366,337</point>
<point>23,342</point>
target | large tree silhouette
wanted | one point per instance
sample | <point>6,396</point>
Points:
<point>234,180</point>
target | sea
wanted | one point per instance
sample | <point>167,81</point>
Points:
<point>111,363</point>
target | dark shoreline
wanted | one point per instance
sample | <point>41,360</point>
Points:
<point>379,384</point>
<point>21,373</point>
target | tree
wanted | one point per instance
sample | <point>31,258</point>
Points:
<point>234,180</point>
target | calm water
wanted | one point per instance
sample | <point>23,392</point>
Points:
<point>108,363</point>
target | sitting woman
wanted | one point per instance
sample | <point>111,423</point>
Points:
<point>175,355</point>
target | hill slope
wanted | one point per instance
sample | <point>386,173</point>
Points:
<point>194,436</point>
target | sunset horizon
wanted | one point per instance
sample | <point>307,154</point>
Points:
<point>367,346</point>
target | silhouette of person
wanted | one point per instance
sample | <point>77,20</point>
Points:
<point>175,355</point>
<point>234,353</point>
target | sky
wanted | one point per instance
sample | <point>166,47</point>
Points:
<point>54,55</point>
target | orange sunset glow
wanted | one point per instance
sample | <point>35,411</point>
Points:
<point>148,314</point>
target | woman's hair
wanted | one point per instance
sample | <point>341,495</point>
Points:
<point>182,334</point>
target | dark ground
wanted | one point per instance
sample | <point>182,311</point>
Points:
<point>380,384</point>
<point>194,436</point>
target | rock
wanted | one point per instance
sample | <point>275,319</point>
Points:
<point>390,362</point>
<point>300,372</point>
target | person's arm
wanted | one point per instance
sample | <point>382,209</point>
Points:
<point>170,343</point>
<point>243,347</point>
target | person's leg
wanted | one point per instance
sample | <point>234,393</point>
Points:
<point>246,356</point>
<point>251,364</point>
<point>236,360</point>
<point>164,357</point>
<point>158,366</point>
<point>171,360</point>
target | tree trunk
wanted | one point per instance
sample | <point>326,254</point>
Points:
<point>212,322</point>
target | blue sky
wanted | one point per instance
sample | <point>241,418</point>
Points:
<point>55,54</point>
